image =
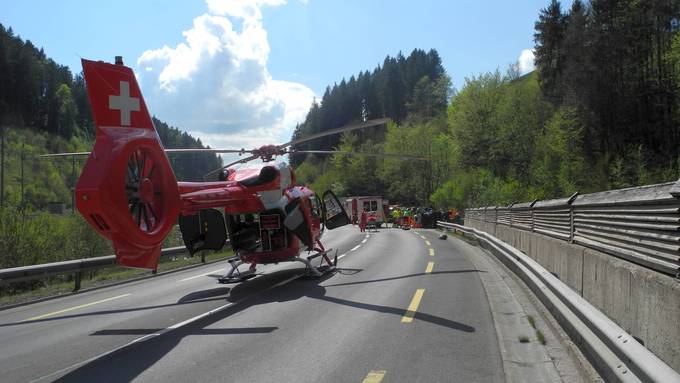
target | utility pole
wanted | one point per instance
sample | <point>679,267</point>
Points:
<point>23,156</point>
<point>2,166</point>
<point>73,185</point>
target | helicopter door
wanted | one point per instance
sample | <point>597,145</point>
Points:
<point>297,220</point>
<point>334,213</point>
<point>203,231</point>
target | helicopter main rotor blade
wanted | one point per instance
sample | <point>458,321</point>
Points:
<point>207,151</point>
<point>179,151</point>
<point>65,154</point>
<point>388,155</point>
<point>241,161</point>
<point>342,129</point>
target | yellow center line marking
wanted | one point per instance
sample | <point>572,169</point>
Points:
<point>430,266</point>
<point>431,252</point>
<point>202,275</point>
<point>413,307</point>
<point>428,243</point>
<point>375,376</point>
<point>76,307</point>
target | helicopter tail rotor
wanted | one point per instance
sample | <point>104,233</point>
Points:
<point>127,190</point>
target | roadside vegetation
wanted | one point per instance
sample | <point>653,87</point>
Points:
<point>600,112</point>
<point>57,285</point>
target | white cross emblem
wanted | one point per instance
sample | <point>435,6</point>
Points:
<point>124,103</point>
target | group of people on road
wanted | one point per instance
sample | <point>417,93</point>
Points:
<point>421,216</point>
<point>402,217</point>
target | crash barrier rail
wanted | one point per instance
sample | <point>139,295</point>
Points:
<point>615,353</point>
<point>76,266</point>
<point>640,224</point>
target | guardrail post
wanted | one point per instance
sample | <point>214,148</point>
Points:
<point>77,280</point>
<point>571,216</point>
<point>571,224</point>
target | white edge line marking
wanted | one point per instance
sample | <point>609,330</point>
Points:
<point>202,275</point>
<point>342,255</point>
<point>364,241</point>
<point>355,247</point>
<point>165,330</point>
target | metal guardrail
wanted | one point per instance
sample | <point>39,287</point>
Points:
<point>76,266</point>
<point>615,352</point>
<point>640,224</point>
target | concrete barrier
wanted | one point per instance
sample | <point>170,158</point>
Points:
<point>643,302</point>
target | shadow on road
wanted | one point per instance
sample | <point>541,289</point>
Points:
<point>129,363</point>
<point>406,276</point>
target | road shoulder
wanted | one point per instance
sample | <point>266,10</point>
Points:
<point>518,314</point>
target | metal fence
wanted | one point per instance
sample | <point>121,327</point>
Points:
<point>76,267</point>
<point>640,224</point>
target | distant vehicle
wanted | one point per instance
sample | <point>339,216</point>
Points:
<point>377,206</point>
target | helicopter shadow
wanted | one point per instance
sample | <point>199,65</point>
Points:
<point>134,360</point>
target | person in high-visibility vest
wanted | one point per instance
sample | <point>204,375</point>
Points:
<point>396,216</point>
<point>407,217</point>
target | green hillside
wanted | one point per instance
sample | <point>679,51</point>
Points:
<point>601,111</point>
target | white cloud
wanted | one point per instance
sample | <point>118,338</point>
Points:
<point>216,84</point>
<point>526,61</point>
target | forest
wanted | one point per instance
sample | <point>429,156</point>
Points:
<point>599,112</point>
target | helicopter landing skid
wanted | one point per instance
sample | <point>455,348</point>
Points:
<point>314,272</point>
<point>236,276</point>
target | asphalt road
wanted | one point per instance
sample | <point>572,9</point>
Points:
<point>404,307</point>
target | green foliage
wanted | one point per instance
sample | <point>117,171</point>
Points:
<point>28,238</point>
<point>415,85</point>
<point>616,63</point>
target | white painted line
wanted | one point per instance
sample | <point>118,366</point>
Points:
<point>364,241</point>
<point>368,235</point>
<point>342,255</point>
<point>165,330</point>
<point>355,247</point>
<point>202,275</point>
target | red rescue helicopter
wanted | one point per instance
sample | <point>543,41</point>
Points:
<point>128,192</point>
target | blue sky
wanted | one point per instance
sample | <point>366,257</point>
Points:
<point>247,69</point>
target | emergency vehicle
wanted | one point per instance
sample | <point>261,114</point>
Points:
<point>375,205</point>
